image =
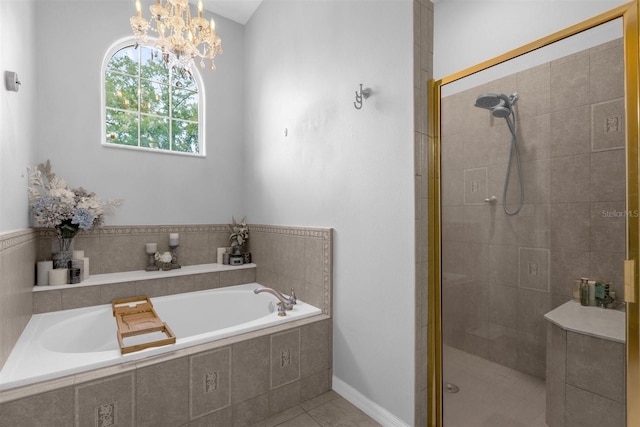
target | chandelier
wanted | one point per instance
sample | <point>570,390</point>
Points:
<point>181,38</point>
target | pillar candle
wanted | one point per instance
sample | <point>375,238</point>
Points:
<point>174,239</point>
<point>85,271</point>
<point>152,248</point>
<point>42,275</point>
<point>221,252</point>
<point>78,254</point>
<point>58,276</point>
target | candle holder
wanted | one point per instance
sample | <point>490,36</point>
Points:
<point>174,257</point>
<point>151,262</point>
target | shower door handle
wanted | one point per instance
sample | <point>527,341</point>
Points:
<point>629,280</point>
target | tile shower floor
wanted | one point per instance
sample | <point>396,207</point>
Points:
<point>490,395</point>
<point>327,410</point>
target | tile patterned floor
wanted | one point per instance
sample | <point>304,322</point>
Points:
<point>491,395</point>
<point>327,410</point>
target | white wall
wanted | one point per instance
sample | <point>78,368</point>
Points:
<point>343,168</point>
<point>17,110</point>
<point>156,188</point>
<point>467,32</point>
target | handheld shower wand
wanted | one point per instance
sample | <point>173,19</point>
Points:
<point>501,106</point>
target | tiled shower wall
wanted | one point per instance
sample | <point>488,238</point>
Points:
<point>422,72</point>
<point>502,273</point>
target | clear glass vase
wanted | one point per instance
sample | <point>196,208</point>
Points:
<point>62,258</point>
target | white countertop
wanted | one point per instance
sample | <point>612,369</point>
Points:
<point>595,321</point>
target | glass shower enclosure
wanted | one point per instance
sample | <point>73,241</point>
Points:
<point>533,179</point>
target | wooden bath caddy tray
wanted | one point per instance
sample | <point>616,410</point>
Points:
<point>135,316</point>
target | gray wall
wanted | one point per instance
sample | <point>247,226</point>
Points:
<point>502,273</point>
<point>157,188</point>
<point>17,110</point>
<point>341,167</point>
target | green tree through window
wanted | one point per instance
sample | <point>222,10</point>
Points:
<point>148,104</point>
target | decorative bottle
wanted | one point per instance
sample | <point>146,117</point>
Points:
<point>584,292</point>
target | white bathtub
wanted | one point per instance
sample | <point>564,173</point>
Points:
<point>67,342</point>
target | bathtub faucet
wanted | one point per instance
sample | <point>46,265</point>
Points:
<point>284,304</point>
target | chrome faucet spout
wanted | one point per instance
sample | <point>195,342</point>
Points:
<point>285,303</point>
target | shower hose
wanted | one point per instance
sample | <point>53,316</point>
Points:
<point>512,151</point>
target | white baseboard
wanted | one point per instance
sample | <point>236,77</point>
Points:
<point>372,409</point>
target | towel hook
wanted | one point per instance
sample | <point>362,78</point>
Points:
<point>360,95</point>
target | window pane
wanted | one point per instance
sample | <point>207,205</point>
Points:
<point>185,137</point>
<point>153,66</point>
<point>184,80</point>
<point>148,104</point>
<point>121,127</point>
<point>154,132</point>
<point>121,91</point>
<point>154,98</point>
<point>185,105</point>
<point>125,61</point>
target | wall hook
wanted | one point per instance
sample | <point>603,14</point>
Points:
<point>362,94</point>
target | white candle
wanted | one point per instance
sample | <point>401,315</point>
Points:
<point>220,257</point>
<point>152,248</point>
<point>78,254</point>
<point>58,276</point>
<point>85,272</point>
<point>174,239</point>
<point>42,277</point>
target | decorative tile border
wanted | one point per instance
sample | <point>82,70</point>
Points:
<point>322,233</point>
<point>120,230</point>
<point>16,238</point>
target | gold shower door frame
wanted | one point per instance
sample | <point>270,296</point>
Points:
<point>629,13</point>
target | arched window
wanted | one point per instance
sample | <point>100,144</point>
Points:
<point>148,105</point>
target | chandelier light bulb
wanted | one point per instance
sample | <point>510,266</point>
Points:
<point>138,8</point>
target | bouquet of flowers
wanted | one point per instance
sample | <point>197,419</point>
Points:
<point>55,205</point>
<point>239,232</point>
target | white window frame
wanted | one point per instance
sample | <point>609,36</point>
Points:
<point>112,50</point>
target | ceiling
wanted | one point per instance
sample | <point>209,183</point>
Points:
<point>237,10</point>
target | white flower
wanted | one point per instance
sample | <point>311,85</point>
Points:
<point>65,195</point>
<point>55,205</point>
<point>163,257</point>
<point>92,204</point>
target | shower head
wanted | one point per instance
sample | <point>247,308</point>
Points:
<point>489,101</point>
<point>501,112</point>
<point>499,104</point>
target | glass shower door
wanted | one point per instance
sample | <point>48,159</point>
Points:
<point>533,197</point>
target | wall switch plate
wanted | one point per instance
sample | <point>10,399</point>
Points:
<point>11,81</point>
